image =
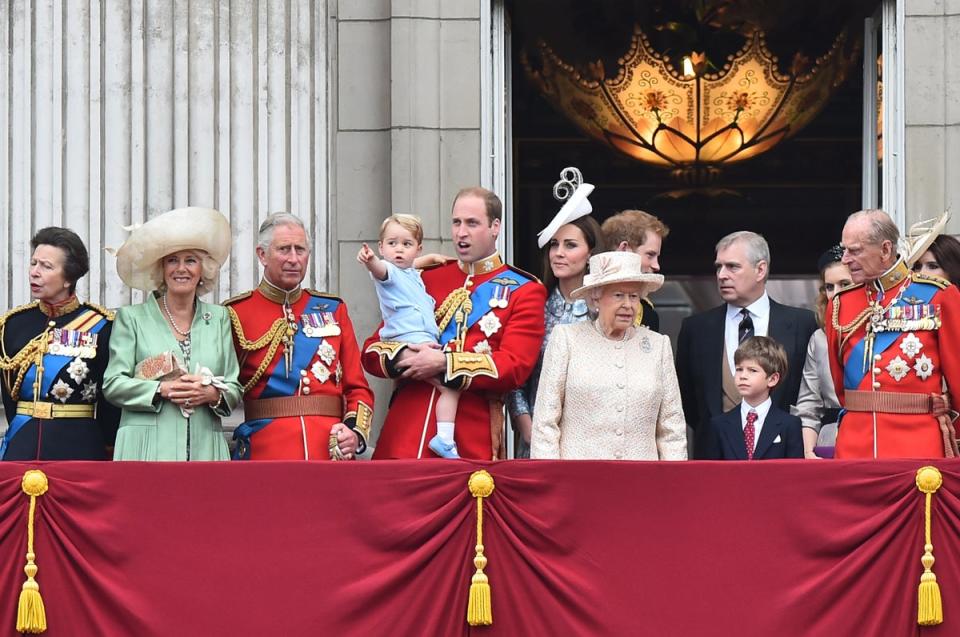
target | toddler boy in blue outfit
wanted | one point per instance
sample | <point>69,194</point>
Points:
<point>407,309</point>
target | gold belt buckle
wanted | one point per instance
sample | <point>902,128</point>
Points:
<point>43,410</point>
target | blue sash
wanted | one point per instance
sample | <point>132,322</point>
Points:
<point>853,369</point>
<point>278,384</point>
<point>53,364</point>
<point>480,297</point>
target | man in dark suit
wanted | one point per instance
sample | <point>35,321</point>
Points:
<point>755,429</point>
<point>708,340</point>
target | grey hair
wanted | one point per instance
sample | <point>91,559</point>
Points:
<point>880,227</point>
<point>274,219</point>
<point>756,246</point>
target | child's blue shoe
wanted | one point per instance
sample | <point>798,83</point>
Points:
<point>442,448</point>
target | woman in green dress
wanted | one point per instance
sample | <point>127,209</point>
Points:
<point>169,414</point>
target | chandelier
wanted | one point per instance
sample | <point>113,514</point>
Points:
<point>688,117</point>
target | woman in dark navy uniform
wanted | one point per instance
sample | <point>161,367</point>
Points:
<point>54,352</point>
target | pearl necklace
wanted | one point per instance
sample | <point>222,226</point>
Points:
<point>176,328</point>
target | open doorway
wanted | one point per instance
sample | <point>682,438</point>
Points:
<point>797,193</point>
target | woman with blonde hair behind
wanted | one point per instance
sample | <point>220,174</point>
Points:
<point>173,369</point>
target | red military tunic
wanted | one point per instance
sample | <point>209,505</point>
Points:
<point>501,335</point>
<point>316,338</point>
<point>915,348</point>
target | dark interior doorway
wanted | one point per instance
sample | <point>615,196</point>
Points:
<point>797,194</point>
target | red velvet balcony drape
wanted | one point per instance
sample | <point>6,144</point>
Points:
<point>575,548</point>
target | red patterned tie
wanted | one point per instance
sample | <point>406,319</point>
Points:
<point>748,433</point>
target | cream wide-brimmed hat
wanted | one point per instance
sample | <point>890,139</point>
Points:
<point>608,268</point>
<point>573,193</point>
<point>206,229</point>
<point>922,235</point>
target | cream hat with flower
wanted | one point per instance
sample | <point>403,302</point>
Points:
<point>201,229</point>
<point>608,268</point>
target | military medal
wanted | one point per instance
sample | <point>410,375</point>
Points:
<point>61,391</point>
<point>501,296</point>
<point>483,347</point>
<point>89,392</point>
<point>326,352</point>
<point>320,372</point>
<point>338,374</point>
<point>73,343</point>
<point>923,366</point>
<point>77,370</point>
<point>490,324</point>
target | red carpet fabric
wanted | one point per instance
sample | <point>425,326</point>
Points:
<point>575,548</point>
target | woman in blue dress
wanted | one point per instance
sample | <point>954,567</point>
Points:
<point>568,242</point>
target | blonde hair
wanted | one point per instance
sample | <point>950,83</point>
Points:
<point>209,271</point>
<point>410,223</point>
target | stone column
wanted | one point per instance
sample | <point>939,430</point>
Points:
<point>407,131</point>
<point>932,113</point>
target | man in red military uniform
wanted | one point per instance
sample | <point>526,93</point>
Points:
<point>490,317</point>
<point>894,339</point>
<point>305,395</point>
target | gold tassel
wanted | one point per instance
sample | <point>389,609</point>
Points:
<point>31,615</point>
<point>929,604</point>
<point>479,610</point>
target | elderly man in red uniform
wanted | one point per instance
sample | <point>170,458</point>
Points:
<point>490,317</point>
<point>894,340</point>
<point>305,395</point>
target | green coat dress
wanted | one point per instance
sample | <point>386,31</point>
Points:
<point>152,428</point>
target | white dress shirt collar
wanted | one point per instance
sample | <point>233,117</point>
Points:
<point>759,313</point>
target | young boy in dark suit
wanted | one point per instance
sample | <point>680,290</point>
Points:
<point>755,429</point>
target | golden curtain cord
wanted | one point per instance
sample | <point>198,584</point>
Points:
<point>31,614</point>
<point>479,611</point>
<point>929,602</point>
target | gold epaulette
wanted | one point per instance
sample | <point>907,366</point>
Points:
<point>532,277</point>
<point>239,297</point>
<point>852,286</point>
<point>107,313</point>
<point>17,310</point>
<point>323,295</point>
<point>932,279</point>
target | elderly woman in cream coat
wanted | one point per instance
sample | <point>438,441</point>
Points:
<point>174,415</point>
<point>608,389</point>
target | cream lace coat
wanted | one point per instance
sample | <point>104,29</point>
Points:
<point>608,400</point>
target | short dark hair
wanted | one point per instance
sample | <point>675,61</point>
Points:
<point>595,241</point>
<point>76,262</point>
<point>768,353</point>
<point>490,201</point>
<point>946,250</point>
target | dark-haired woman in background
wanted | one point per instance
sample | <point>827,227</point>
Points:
<point>54,353</point>
<point>568,242</point>
<point>817,403</point>
<point>941,259</point>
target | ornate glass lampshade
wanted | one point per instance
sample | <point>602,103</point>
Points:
<point>677,114</point>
